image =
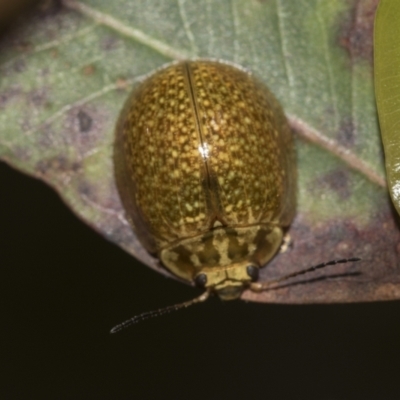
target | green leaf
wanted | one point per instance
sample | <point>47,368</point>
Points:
<point>65,75</point>
<point>387,89</point>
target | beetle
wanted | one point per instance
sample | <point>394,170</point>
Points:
<point>205,166</point>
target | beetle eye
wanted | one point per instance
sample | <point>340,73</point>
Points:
<point>252,272</point>
<point>201,280</point>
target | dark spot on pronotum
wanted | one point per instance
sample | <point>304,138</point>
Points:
<point>85,121</point>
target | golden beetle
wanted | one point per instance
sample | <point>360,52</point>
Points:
<point>206,170</point>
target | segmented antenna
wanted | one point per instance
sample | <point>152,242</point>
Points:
<point>255,286</point>
<point>263,286</point>
<point>159,312</point>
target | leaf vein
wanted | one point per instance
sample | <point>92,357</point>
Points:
<point>235,20</point>
<point>328,63</point>
<point>186,25</point>
<point>122,29</point>
<point>312,135</point>
<point>283,46</point>
<point>79,103</point>
<point>49,45</point>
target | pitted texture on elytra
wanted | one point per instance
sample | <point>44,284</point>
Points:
<point>205,145</point>
<point>246,147</point>
<point>163,159</point>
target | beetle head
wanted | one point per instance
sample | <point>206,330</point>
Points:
<point>228,282</point>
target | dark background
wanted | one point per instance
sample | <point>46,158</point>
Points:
<point>63,287</point>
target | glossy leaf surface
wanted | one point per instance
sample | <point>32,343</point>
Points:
<point>387,89</point>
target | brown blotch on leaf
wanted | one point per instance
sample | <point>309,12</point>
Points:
<point>84,127</point>
<point>85,121</point>
<point>49,7</point>
<point>123,84</point>
<point>336,180</point>
<point>88,70</point>
<point>57,165</point>
<point>347,133</point>
<point>109,43</point>
<point>8,95</point>
<point>87,190</point>
<point>38,97</point>
<point>19,65</point>
<point>23,46</point>
<point>356,32</point>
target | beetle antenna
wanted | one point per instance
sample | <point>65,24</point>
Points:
<point>258,286</point>
<point>159,312</point>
